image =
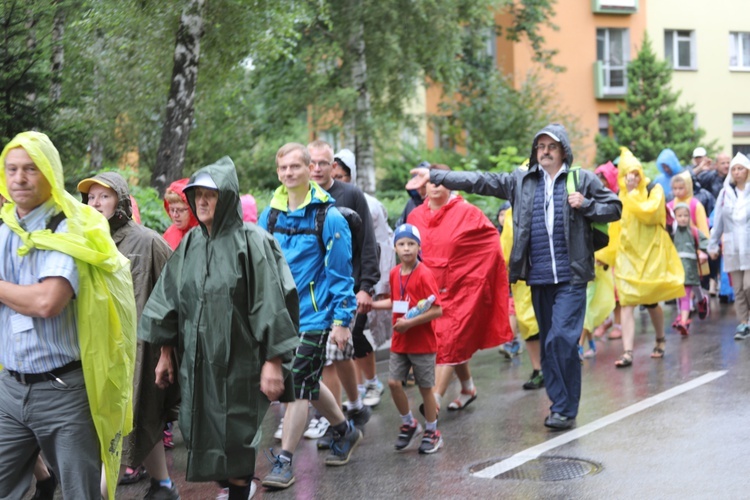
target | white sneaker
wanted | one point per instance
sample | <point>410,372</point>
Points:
<point>277,434</point>
<point>317,428</point>
<point>373,393</point>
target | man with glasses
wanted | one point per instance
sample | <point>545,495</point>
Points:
<point>553,251</point>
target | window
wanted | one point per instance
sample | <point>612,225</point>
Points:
<point>612,54</point>
<point>679,49</point>
<point>740,125</point>
<point>604,124</point>
<point>741,148</point>
<point>739,50</point>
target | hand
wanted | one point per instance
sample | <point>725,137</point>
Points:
<point>165,368</point>
<point>575,200</point>
<point>402,325</point>
<point>702,257</point>
<point>272,379</point>
<point>421,177</point>
<point>340,336</point>
<point>632,180</point>
<point>714,255</point>
<point>364,302</point>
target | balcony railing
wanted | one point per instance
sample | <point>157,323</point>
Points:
<point>610,82</point>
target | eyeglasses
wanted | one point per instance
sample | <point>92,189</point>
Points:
<point>177,211</point>
<point>322,164</point>
<point>549,147</point>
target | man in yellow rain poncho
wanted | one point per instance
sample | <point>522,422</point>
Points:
<point>647,267</point>
<point>67,329</point>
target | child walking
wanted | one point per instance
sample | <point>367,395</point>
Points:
<point>413,345</point>
<point>691,246</point>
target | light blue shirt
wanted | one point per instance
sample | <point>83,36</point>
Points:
<point>37,345</point>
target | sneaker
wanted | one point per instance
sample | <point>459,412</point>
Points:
<point>535,382</point>
<point>224,492</point>
<point>324,443</point>
<point>703,307</point>
<point>279,430</point>
<point>359,417</point>
<point>373,393</point>
<point>343,446</point>
<point>742,332</point>
<point>281,475</point>
<point>168,438</point>
<point>317,428</point>
<point>510,349</point>
<point>580,352</point>
<point>45,489</point>
<point>407,434</point>
<point>159,492</point>
<point>132,476</point>
<point>431,442</point>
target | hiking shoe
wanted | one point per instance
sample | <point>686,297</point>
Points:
<point>132,476</point>
<point>703,308</point>
<point>535,382</point>
<point>159,492</point>
<point>281,475</point>
<point>324,443</point>
<point>168,438</point>
<point>45,489</point>
<point>510,349</point>
<point>743,332</point>
<point>343,446</point>
<point>373,393</point>
<point>279,430</point>
<point>359,417</point>
<point>317,428</point>
<point>431,442</point>
<point>407,434</point>
<point>224,492</point>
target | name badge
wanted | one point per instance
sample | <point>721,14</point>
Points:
<point>21,323</point>
<point>400,306</point>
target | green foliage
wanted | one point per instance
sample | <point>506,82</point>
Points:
<point>651,118</point>
<point>151,208</point>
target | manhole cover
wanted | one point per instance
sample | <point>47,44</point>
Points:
<point>546,469</point>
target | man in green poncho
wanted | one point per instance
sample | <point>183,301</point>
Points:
<point>67,329</point>
<point>227,301</point>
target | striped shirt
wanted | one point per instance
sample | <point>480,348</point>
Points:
<point>48,343</point>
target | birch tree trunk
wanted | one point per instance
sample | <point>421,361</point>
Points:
<point>170,157</point>
<point>58,29</point>
<point>363,116</point>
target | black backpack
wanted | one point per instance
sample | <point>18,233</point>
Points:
<point>321,211</point>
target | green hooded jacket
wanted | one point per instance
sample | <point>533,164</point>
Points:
<point>228,302</point>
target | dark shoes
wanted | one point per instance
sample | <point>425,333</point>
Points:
<point>535,382</point>
<point>45,489</point>
<point>159,492</point>
<point>359,417</point>
<point>558,422</point>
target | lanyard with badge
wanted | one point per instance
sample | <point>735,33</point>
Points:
<point>402,306</point>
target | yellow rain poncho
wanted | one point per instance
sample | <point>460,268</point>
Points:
<point>647,267</point>
<point>527,324</point>
<point>105,303</point>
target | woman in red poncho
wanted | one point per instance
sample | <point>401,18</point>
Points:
<point>461,247</point>
<point>175,203</point>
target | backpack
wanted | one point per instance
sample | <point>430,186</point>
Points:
<point>600,230</point>
<point>321,211</point>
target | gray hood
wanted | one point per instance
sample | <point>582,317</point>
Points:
<point>558,133</point>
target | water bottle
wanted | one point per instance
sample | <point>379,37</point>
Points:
<point>421,307</point>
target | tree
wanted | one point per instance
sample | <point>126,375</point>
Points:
<point>651,119</point>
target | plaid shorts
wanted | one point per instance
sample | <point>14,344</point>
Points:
<point>308,364</point>
<point>333,353</point>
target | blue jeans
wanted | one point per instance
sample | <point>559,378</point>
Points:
<point>559,311</point>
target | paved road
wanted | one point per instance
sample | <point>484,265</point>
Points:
<point>695,444</point>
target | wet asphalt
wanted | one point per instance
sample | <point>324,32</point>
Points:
<point>693,445</point>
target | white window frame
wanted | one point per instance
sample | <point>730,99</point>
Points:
<point>737,41</point>
<point>678,37</point>
<point>608,66</point>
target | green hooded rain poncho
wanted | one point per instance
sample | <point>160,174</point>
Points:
<point>228,302</point>
<point>105,302</point>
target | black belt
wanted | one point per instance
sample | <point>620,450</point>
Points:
<point>33,378</point>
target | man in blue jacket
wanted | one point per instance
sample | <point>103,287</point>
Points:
<point>553,251</point>
<point>320,259</point>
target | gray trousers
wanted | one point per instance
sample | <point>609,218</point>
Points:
<point>55,418</point>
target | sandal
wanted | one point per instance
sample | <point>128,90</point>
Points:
<point>134,475</point>
<point>457,404</point>
<point>658,351</point>
<point>625,360</point>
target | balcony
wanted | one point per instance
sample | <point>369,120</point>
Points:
<point>624,7</point>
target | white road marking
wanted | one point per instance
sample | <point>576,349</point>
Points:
<point>534,452</point>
